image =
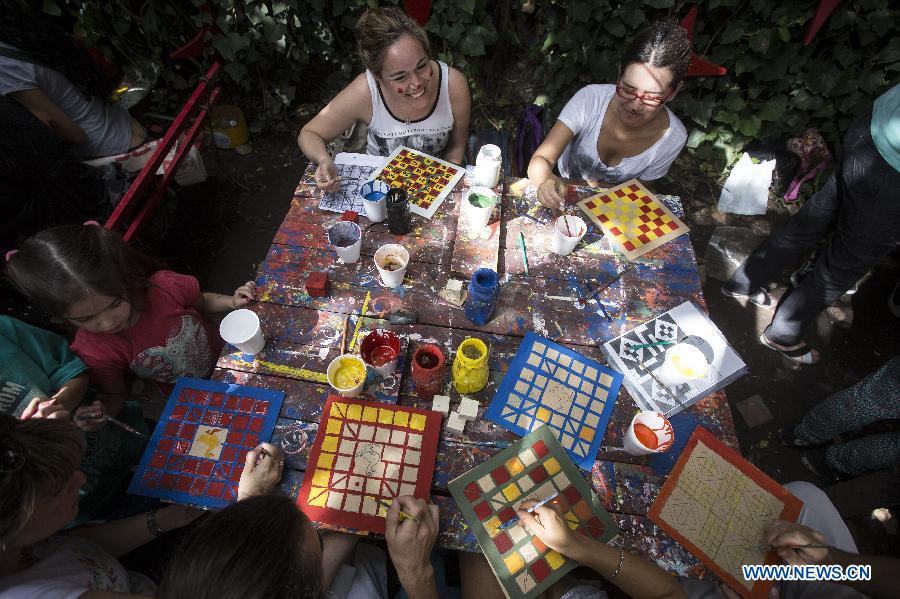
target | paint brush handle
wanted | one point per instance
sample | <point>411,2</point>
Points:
<point>403,515</point>
<point>524,252</point>
<point>794,547</point>
<point>513,521</point>
<point>643,345</point>
<point>125,427</point>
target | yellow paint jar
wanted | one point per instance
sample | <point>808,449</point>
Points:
<point>347,375</point>
<point>470,368</point>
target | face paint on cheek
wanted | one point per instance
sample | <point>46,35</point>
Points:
<point>399,90</point>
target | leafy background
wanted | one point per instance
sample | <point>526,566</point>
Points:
<point>280,54</point>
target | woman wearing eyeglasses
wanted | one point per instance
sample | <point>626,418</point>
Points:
<point>608,134</point>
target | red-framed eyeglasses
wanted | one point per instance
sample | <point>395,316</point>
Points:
<point>629,93</point>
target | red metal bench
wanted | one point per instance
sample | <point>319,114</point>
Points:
<point>145,192</point>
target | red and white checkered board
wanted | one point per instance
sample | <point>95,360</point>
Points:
<point>427,180</point>
<point>632,218</point>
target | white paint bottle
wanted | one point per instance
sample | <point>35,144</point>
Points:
<point>487,166</point>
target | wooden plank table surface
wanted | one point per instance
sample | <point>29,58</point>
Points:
<point>304,334</point>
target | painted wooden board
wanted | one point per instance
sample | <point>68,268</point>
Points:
<point>632,218</point>
<point>196,454</point>
<point>427,180</point>
<point>718,505</point>
<point>365,453</point>
<point>549,384</point>
<point>536,467</point>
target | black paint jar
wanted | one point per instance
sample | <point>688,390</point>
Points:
<point>398,215</point>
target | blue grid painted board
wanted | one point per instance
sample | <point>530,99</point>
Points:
<point>196,455</point>
<point>572,394</point>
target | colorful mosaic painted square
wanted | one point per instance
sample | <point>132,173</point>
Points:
<point>632,218</point>
<point>488,496</point>
<point>427,180</point>
<point>196,454</point>
<point>367,452</point>
<point>718,506</point>
<point>550,384</point>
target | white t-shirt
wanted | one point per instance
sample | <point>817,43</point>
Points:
<point>107,126</point>
<point>429,134</point>
<point>66,567</point>
<point>583,114</point>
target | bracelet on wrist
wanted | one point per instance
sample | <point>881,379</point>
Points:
<point>152,525</point>
<point>621,559</point>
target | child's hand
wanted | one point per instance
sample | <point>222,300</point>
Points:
<point>44,407</point>
<point>547,524</point>
<point>90,418</point>
<point>788,539</point>
<point>244,294</point>
<point>262,470</point>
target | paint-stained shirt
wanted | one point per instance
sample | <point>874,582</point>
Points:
<point>66,567</point>
<point>429,134</point>
<point>583,115</point>
<point>171,338</point>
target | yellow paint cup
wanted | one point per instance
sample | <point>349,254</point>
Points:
<point>470,368</point>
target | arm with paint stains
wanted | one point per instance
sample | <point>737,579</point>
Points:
<point>634,575</point>
<point>353,103</point>
<point>216,302</point>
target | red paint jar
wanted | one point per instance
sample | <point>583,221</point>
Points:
<point>428,371</point>
<point>380,349</point>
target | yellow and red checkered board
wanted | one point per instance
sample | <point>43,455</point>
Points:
<point>423,178</point>
<point>633,218</point>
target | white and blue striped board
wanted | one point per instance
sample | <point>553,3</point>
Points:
<point>550,384</point>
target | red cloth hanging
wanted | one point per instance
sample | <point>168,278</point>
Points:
<point>823,11</point>
<point>699,67</point>
<point>418,10</point>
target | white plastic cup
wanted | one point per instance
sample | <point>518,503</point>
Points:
<point>347,375</point>
<point>478,217</point>
<point>658,425</point>
<point>563,243</point>
<point>374,196</point>
<point>391,259</point>
<point>683,362</point>
<point>242,329</point>
<point>346,239</point>
<point>487,166</point>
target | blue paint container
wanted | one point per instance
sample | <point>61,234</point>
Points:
<point>484,288</point>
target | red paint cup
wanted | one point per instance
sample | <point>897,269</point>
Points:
<point>428,371</point>
<point>380,349</point>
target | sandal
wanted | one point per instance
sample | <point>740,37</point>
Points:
<point>802,355</point>
<point>761,298</point>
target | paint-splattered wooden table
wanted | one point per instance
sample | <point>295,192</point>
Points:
<point>304,335</point>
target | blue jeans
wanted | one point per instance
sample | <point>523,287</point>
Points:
<point>859,206</point>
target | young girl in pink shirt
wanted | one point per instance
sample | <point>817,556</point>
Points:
<point>131,314</point>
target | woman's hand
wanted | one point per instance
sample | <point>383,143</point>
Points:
<point>326,176</point>
<point>244,294</point>
<point>548,525</point>
<point>91,418</point>
<point>410,542</point>
<point>262,470</point>
<point>786,536</point>
<point>550,193</point>
<point>44,407</point>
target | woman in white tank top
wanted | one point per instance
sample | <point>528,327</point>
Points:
<point>406,98</point>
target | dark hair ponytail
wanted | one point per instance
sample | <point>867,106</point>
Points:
<point>664,44</point>
<point>252,549</point>
<point>58,266</point>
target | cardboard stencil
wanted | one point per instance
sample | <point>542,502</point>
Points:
<point>490,494</point>
<point>365,452</point>
<point>717,504</point>
<point>196,454</point>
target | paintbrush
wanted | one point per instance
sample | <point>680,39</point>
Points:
<point>513,521</point>
<point>524,252</point>
<point>114,421</point>
<point>794,547</point>
<point>643,345</point>
<point>605,285</point>
<point>345,335</point>
<point>403,515</point>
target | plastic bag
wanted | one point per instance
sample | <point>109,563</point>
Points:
<point>747,189</point>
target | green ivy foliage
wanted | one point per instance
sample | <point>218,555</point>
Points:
<point>278,53</point>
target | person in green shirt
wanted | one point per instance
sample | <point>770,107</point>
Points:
<point>40,377</point>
